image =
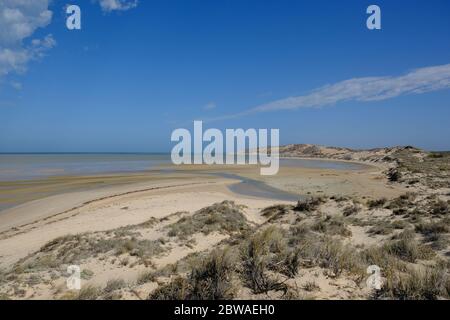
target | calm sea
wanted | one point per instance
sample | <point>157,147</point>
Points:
<point>31,166</point>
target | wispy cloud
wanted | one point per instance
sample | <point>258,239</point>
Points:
<point>210,106</point>
<point>18,21</point>
<point>418,81</point>
<point>16,85</point>
<point>117,5</point>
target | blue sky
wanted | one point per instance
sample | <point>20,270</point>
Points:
<point>131,76</point>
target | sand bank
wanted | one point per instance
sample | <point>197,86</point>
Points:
<point>25,228</point>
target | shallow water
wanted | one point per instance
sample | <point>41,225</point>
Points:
<point>15,167</point>
<point>28,173</point>
<point>255,188</point>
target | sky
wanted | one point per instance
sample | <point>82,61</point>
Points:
<point>137,70</point>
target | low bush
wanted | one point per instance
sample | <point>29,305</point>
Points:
<point>256,255</point>
<point>222,217</point>
<point>210,280</point>
<point>332,225</point>
<point>378,203</point>
<point>428,284</point>
<point>309,205</point>
<point>113,285</point>
<point>408,249</point>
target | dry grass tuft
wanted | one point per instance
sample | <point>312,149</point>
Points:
<point>429,284</point>
<point>260,252</point>
<point>210,280</point>
<point>222,217</point>
<point>275,212</point>
<point>88,293</point>
<point>408,249</point>
<point>309,205</point>
<point>332,225</point>
<point>378,203</point>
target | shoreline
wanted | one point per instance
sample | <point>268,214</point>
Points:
<point>154,224</point>
<point>14,193</point>
<point>136,182</point>
<point>34,223</point>
<point>22,234</point>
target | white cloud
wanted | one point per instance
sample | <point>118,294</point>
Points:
<point>19,19</point>
<point>15,59</point>
<point>210,106</point>
<point>119,5</point>
<point>362,89</point>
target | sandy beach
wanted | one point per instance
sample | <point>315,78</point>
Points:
<point>79,212</point>
<point>142,230</point>
<point>25,228</point>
